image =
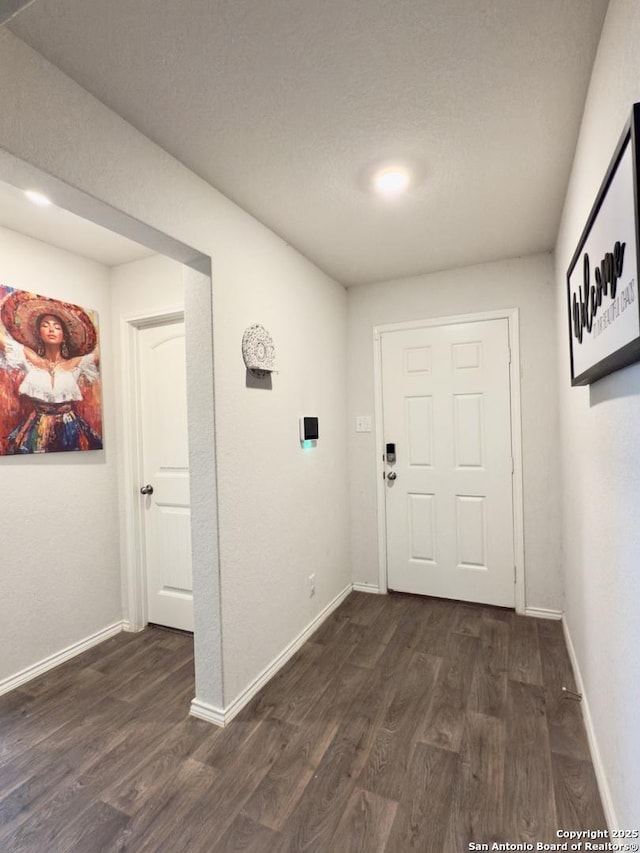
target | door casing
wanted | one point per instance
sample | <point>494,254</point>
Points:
<point>133,551</point>
<point>512,316</point>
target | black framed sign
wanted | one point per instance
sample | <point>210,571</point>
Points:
<point>602,280</point>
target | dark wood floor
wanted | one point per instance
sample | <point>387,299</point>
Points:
<point>405,724</point>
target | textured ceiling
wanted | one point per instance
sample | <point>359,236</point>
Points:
<point>65,230</point>
<point>285,105</point>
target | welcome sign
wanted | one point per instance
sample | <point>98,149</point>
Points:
<point>602,280</point>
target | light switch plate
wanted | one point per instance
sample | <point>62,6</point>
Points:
<point>363,423</point>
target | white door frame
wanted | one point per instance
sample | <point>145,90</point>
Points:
<point>132,522</point>
<point>510,314</point>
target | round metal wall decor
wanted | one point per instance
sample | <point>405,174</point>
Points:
<point>258,351</point>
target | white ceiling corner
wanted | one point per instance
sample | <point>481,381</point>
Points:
<point>10,8</point>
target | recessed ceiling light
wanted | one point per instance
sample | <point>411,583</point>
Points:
<point>38,198</point>
<point>391,181</point>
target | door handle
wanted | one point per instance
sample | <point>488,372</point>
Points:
<point>391,476</point>
<point>146,490</point>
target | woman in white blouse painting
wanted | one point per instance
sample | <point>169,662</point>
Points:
<point>53,346</point>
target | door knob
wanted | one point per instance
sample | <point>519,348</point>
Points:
<point>146,490</point>
<point>391,475</point>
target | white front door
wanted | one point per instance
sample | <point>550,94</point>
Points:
<point>165,452</point>
<point>449,515</point>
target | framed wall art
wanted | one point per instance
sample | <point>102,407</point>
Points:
<point>50,393</point>
<point>602,279</point>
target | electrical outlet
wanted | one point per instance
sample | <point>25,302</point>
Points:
<point>312,585</point>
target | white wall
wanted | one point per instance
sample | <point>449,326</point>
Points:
<point>59,561</point>
<point>601,455</point>
<point>143,287</point>
<point>525,283</point>
<point>283,510</point>
<point>283,513</point>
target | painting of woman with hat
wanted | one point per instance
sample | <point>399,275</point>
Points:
<point>48,350</point>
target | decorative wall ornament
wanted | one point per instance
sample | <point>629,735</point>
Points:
<point>50,396</point>
<point>258,351</point>
<point>602,280</point>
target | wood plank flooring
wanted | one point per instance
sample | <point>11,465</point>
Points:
<point>404,724</point>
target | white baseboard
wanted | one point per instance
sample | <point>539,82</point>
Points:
<point>223,716</point>
<point>52,661</point>
<point>210,713</point>
<point>598,766</point>
<point>542,613</point>
<point>368,587</point>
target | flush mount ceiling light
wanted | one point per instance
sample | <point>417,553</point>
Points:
<point>38,198</point>
<point>391,181</point>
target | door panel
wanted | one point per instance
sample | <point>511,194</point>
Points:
<point>422,527</point>
<point>449,516</point>
<point>468,418</point>
<point>167,513</point>
<point>419,419</point>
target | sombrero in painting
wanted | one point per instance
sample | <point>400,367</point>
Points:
<point>21,311</point>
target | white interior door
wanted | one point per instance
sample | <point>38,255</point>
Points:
<point>165,463</point>
<point>449,511</point>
